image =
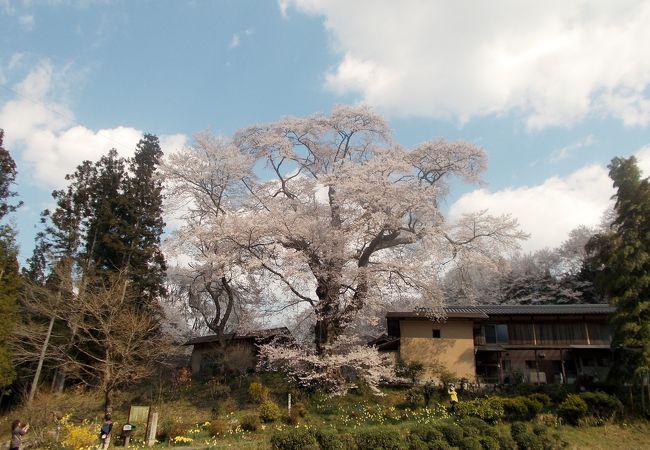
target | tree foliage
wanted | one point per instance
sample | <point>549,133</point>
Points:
<point>621,257</point>
<point>331,213</point>
<point>10,280</point>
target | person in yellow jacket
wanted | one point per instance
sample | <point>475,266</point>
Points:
<point>453,398</point>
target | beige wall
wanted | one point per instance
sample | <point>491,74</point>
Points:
<point>454,350</point>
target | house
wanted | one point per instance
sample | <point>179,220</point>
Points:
<point>238,354</point>
<point>504,343</point>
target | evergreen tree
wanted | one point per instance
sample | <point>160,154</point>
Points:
<point>622,259</point>
<point>9,274</point>
<point>144,260</point>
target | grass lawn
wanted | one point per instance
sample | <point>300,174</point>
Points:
<point>609,437</point>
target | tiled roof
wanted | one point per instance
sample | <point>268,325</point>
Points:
<point>484,311</point>
<point>531,309</point>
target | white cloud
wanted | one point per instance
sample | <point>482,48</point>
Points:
<point>555,62</point>
<point>27,22</point>
<point>567,151</point>
<point>48,138</point>
<point>235,40</point>
<point>550,210</point>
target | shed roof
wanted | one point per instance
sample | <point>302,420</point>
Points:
<point>253,335</point>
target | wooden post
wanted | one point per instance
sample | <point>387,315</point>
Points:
<point>151,429</point>
<point>289,404</point>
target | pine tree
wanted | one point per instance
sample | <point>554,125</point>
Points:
<point>622,257</point>
<point>9,274</point>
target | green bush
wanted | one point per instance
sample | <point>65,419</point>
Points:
<point>293,439</point>
<point>529,441</point>
<point>331,440</point>
<point>557,392</point>
<point>269,411</point>
<point>250,422</point>
<point>427,433</point>
<point>258,393</point>
<point>453,433</point>
<point>541,397</point>
<point>415,443</point>
<point>490,443</point>
<point>378,439</point>
<point>488,409</point>
<point>506,442</point>
<point>473,426</point>
<point>572,409</point>
<point>520,408</point>
<point>439,445</point>
<point>470,443</point>
<point>601,405</point>
<point>518,427</point>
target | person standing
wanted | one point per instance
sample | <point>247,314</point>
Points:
<point>105,432</point>
<point>453,398</point>
<point>18,430</point>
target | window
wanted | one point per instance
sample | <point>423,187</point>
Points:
<point>436,334</point>
<point>495,333</point>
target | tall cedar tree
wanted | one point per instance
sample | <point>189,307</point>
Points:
<point>623,259</point>
<point>108,219</point>
<point>9,275</point>
<point>143,258</point>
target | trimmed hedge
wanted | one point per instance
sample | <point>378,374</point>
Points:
<point>601,405</point>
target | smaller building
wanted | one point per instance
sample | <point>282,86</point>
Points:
<point>505,343</point>
<point>236,353</point>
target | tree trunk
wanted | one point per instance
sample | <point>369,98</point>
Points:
<point>108,401</point>
<point>41,358</point>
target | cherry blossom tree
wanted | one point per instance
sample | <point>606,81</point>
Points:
<point>331,213</point>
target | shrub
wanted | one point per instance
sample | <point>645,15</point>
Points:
<point>175,429</point>
<point>409,370</point>
<point>269,411</point>
<point>557,392</point>
<point>413,397</point>
<point>519,408</point>
<point>258,393</point>
<point>506,442</point>
<point>415,443</point>
<point>378,439</point>
<point>601,405</point>
<point>217,390</point>
<point>439,444</point>
<point>470,443</point>
<point>300,409</point>
<point>293,439</point>
<point>490,443</point>
<point>488,409</point>
<point>225,406</point>
<point>291,419</point>
<point>427,433</point>
<point>473,426</point>
<point>518,427</point>
<point>529,441</point>
<point>541,397</point>
<point>452,433</point>
<point>79,437</point>
<point>250,422</point>
<point>218,427</point>
<point>572,409</point>
<point>330,440</point>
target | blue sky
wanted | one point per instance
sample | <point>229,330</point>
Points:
<point>551,91</point>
